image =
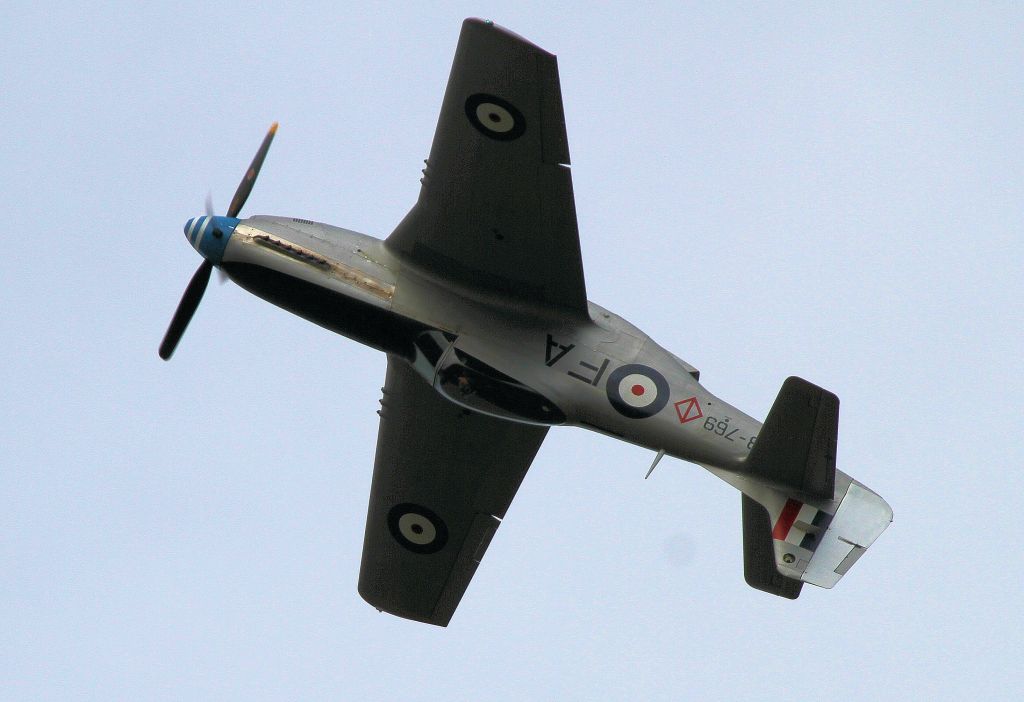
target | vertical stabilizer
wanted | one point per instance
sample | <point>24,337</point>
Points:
<point>759,554</point>
<point>803,521</point>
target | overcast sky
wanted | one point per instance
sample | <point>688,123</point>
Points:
<point>767,190</point>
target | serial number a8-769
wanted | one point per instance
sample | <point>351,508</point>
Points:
<point>720,427</point>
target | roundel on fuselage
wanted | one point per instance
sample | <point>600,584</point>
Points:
<point>637,391</point>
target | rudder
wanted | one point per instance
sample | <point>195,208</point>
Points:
<point>759,554</point>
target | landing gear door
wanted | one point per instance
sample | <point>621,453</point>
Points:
<point>431,347</point>
<point>471,383</point>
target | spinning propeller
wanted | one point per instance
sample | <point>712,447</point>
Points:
<point>197,286</point>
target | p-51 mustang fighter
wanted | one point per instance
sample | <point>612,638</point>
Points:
<point>477,298</point>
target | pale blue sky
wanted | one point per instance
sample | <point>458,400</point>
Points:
<point>767,189</point>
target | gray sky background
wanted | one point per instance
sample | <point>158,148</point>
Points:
<point>766,189</point>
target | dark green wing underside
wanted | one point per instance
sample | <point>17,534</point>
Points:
<point>443,478</point>
<point>496,211</point>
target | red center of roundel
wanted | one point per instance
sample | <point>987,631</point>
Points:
<point>638,390</point>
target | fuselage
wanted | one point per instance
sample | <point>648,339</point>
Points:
<point>480,291</point>
<point>531,364</point>
<point>492,355</point>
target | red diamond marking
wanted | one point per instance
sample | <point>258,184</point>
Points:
<point>688,410</point>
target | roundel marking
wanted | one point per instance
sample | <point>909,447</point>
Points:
<point>417,528</point>
<point>494,117</point>
<point>637,391</point>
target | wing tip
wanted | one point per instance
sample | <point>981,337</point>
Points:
<point>380,602</point>
<point>480,24</point>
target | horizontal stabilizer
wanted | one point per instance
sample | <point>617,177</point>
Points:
<point>862,516</point>
<point>759,554</point>
<point>788,542</point>
<point>796,447</point>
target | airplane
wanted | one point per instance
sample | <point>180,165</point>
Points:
<point>478,300</point>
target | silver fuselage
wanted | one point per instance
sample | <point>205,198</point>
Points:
<point>352,284</point>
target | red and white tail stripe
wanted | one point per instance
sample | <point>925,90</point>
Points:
<point>791,523</point>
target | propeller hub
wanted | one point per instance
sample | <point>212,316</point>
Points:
<point>209,235</point>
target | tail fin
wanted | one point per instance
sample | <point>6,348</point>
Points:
<point>803,521</point>
<point>787,541</point>
<point>759,554</point>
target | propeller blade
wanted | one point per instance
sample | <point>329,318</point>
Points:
<point>209,204</point>
<point>186,308</point>
<point>245,187</point>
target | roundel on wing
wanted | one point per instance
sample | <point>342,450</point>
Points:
<point>417,528</point>
<point>494,117</point>
<point>637,391</point>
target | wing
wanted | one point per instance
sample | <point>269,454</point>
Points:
<point>442,480</point>
<point>496,210</point>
